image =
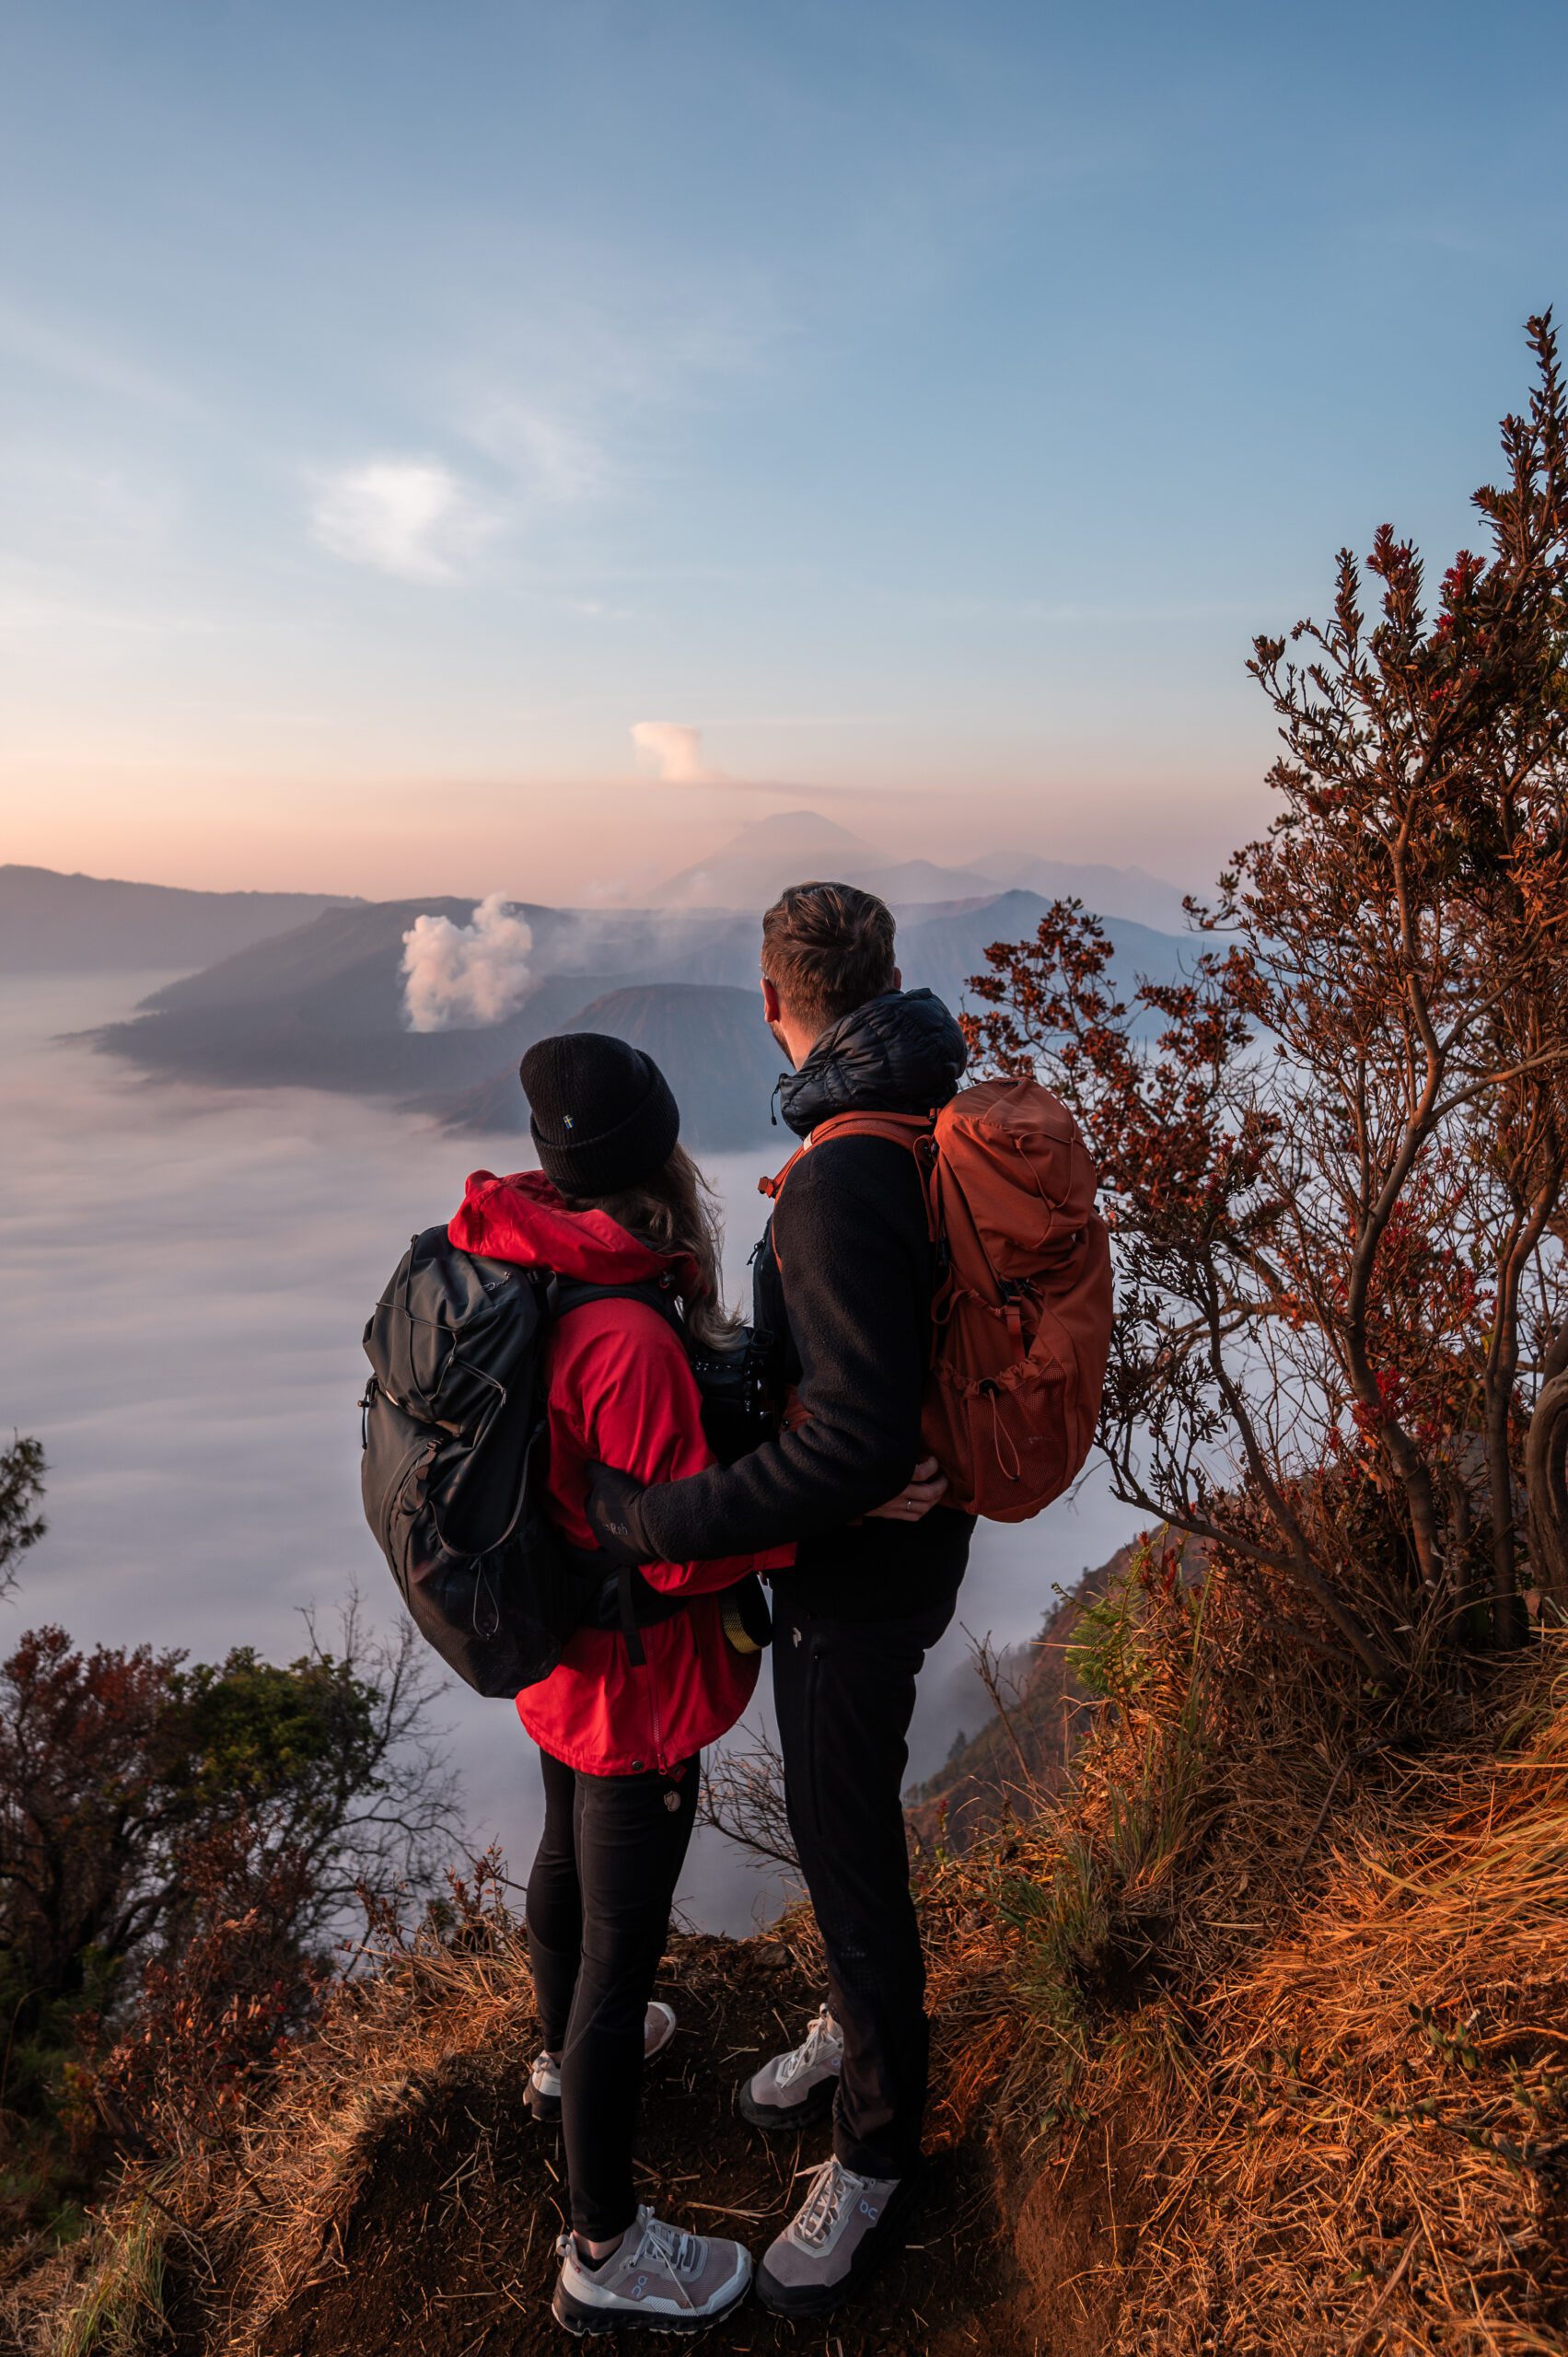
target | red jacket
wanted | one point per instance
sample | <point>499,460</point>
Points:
<point>619,1390</point>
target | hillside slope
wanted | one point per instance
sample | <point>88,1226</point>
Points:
<point>1023,1750</point>
<point>1252,2045</point>
<point>710,1042</point>
<point>53,924</point>
<point>1023,1753</point>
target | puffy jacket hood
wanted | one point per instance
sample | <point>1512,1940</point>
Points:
<point>523,1219</point>
<point>900,1053</point>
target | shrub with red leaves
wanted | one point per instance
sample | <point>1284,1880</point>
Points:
<point>210,2008</point>
<point>1335,1156</point>
<point>178,1843</point>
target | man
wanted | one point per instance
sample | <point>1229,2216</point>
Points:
<point>844,1285</point>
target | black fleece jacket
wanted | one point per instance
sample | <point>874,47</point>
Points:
<point>843,1287</point>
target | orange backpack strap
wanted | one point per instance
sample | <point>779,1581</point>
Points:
<point>902,1128</point>
<point>772,1187</point>
<point>910,1129</point>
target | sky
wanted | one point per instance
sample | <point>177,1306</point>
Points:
<point>509,447</point>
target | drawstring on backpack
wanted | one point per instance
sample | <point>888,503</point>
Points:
<point>998,1435</point>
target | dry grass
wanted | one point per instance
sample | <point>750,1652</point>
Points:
<point>390,2192</point>
<point>120,2302</point>
<point>1264,2024</point>
<point>1270,2014</point>
<point>252,2217</point>
<point>1379,2157</point>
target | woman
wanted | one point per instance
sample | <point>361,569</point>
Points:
<point>617,1203</point>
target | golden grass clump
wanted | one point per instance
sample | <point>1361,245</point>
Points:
<point>1268,2015</point>
<point>252,2215</point>
<point>1379,2157</point>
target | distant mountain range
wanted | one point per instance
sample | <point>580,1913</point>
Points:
<point>753,867</point>
<point>321,1007</point>
<point>52,923</point>
<point>306,990</point>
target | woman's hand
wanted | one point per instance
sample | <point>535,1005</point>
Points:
<point>925,1489</point>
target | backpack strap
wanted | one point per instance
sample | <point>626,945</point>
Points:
<point>774,1187</point>
<point>910,1129</point>
<point>567,1293</point>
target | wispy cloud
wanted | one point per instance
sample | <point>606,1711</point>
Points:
<point>411,518</point>
<point>674,753</point>
<point>542,409</point>
<point>419,521</point>
<point>551,461</point>
<point>563,394</point>
<point>598,609</point>
<point>61,354</point>
<point>64,505</point>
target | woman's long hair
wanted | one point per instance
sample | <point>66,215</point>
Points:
<point>675,1211</point>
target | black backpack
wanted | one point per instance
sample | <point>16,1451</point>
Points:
<point>455,1460</point>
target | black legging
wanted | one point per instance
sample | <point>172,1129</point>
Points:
<point>598,1908</point>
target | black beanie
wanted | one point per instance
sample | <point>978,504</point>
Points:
<point>603,1117</point>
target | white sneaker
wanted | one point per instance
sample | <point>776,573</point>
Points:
<point>544,2079</point>
<point>660,2277</point>
<point>839,2233</point>
<point>796,2088</point>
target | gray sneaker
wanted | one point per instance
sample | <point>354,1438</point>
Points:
<point>835,2239</point>
<point>796,2088</point>
<point>660,2278</point>
<point>544,2078</point>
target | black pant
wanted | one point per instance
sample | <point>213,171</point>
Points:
<point>844,1695</point>
<point>598,1908</point>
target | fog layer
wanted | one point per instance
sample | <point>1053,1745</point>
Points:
<point>185,1274</point>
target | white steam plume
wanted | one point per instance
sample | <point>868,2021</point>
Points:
<point>467,975</point>
<point>675,752</point>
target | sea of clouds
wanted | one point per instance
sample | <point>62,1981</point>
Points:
<point>185,1274</point>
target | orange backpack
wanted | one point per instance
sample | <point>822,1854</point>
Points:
<point>1022,1310</point>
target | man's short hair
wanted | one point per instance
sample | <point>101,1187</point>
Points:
<point>827,949</point>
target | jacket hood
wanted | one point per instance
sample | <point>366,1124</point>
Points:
<point>523,1219</point>
<point>900,1053</point>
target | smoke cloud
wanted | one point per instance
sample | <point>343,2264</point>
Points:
<point>674,753</point>
<point>464,975</point>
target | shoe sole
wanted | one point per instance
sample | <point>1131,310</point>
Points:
<point>790,2300</point>
<point>783,2120</point>
<point>576,2317</point>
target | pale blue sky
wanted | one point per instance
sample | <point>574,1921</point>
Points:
<point>399,403</point>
